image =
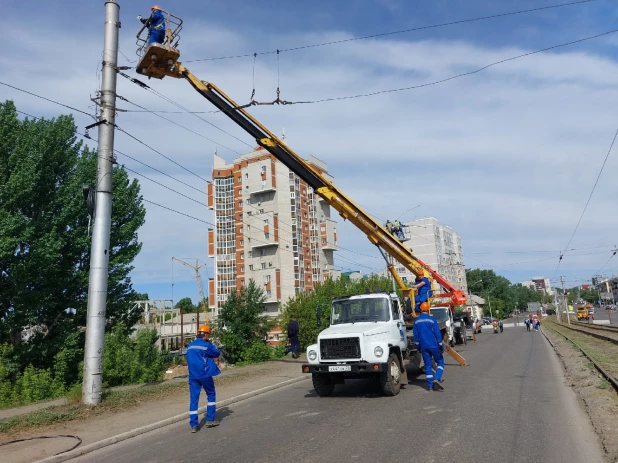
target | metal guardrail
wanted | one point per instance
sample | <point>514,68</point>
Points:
<point>613,381</point>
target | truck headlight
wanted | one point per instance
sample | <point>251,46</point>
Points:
<point>312,355</point>
<point>378,351</point>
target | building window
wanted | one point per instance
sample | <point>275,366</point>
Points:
<point>269,293</point>
<point>261,211</point>
<point>242,269</point>
<point>263,265</point>
<point>242,242</point>
<point>261,252</point>
<point>242,282</point>
<point>241,230</point>
<point>267,278</point>
<point>261,198</point>
<point>240,216</point>
<point>246,176</point>
<point>250,253</point>
<point>251,267</point>
<point>266,221</point>
<point>242,256</point>
<point>264,169</point>
<point>266,235</point>
<point>239,179</point>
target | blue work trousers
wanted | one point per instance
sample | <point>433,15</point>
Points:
<point>294,345</point>
<point>428,355</point>
<point>195,387</point>
<point>157,36</point>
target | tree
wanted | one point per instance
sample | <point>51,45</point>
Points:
<point>44,240</point>
<point>186,304</point>
<point>241,321</point>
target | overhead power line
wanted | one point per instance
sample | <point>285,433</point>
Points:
<point>611,146</point>
<point>464,74</point>
<point>385,34</point>
<point>47,99</point>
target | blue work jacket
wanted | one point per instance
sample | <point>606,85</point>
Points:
<point>200,359</point>
<point>427,333</point>
<point>424,291</point>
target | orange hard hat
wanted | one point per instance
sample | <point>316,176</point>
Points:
<point>425,307</point>
<point>204,329</point>
<point>156,7</point>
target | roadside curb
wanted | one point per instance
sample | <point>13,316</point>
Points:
<point>160,424</point>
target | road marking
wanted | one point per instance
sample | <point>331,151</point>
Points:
<point>297,413</point>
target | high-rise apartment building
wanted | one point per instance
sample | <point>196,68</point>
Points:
<point>439,246</point>
<point>269,227</point>
<point>539,284</point>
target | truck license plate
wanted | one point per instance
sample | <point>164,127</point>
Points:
<point>340,368</point>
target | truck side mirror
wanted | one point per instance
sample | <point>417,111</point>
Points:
<point>318,316</point>
<point>408,305</point>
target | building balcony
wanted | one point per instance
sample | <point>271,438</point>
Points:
<point>263,189</point>
<point>264,244</point>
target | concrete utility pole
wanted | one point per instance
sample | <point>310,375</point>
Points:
<point>566,301</point>
<point>99,252</point>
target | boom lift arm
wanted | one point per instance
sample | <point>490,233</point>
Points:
<point>374,230</point>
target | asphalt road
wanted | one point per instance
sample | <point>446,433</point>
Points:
<point>510,405</point>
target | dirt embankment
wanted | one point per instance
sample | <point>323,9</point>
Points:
<point>598,397</point>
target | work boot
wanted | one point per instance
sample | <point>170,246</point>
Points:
<point>211,424</point>
<point>194,429</point>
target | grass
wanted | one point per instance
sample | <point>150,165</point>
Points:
<point>112,401</point>
<point>603,384</point>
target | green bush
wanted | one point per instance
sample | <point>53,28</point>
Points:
<point>132,362</point>
<point>258,352</point>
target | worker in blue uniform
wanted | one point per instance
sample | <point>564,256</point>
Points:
<point>155,24</point>
<point>201,355</point>
<point>428,340</point>
<point>423,288</point>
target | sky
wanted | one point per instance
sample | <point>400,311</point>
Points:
<point>507,156</point>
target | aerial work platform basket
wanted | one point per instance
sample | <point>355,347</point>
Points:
<point>158,59</point>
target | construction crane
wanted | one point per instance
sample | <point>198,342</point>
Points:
<point>200,287</point>
<point>161,60</point>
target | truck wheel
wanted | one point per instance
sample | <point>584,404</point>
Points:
<point>390,380</point>
<point>323,384</point>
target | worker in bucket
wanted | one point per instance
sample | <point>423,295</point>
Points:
<point>423,291</point>
<point>201,355</point>
<point>155,24</point>
<point>428,340</point>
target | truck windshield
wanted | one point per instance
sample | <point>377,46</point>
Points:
<point>440,314</point>
<point>360,310</point>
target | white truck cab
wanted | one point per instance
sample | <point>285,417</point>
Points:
<point>367,337</point>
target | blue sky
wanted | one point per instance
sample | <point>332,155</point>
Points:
<point>507,157</point>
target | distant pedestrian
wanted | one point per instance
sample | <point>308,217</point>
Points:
<point>527,324</point>
<point>501,326</point>
<point>293,331</point>
<point>201,355</point>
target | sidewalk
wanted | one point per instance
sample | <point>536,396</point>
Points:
<point>231,383</point>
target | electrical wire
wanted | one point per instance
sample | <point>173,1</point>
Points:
<point>160,154</point>
<point>180,125</point>
<point>47,99</point>
<point>464,74</point>
<point>384,34</point>
<point>58,436</point>
<point>169,100</point>
<point>589,198</point>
